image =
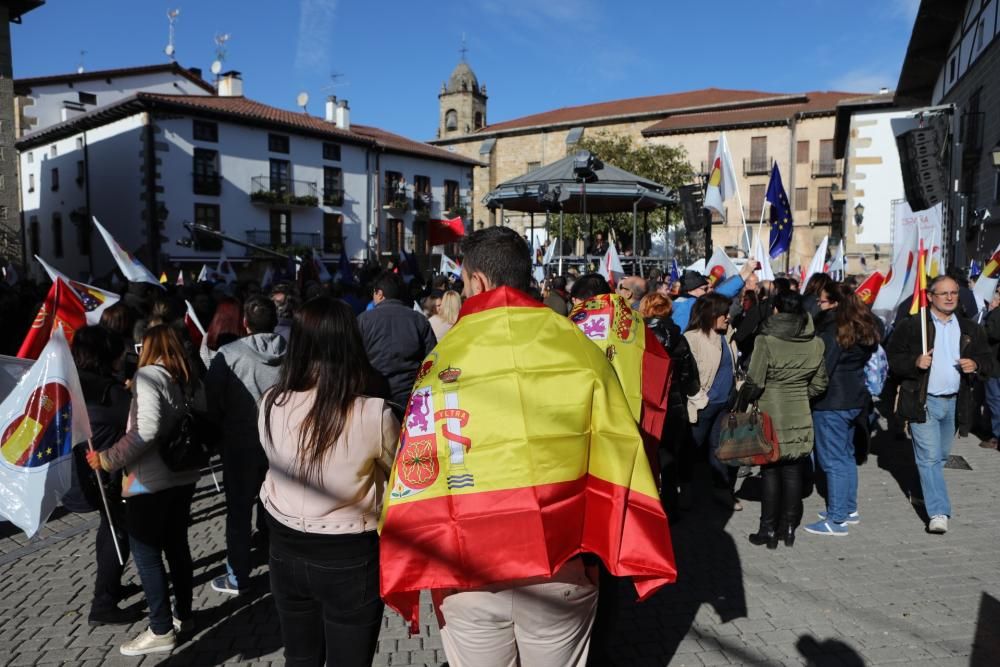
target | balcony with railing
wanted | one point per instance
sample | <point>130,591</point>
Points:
<point>395,199</point>
<point>285,191</point>
<point>276,239</point>
<point>756,165</point>
<point>333,197</point>
<point>827,168</point>
<point>821,216</point>
<point>207,184</point>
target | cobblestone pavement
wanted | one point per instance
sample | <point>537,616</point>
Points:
<point>889,592</point>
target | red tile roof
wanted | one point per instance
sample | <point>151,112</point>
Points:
<point>27,83</point>
<point>810,103</point>
<point>633,106</point>
<point>247,111</point>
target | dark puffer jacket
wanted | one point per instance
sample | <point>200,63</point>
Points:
<point>397,340</point>
<point>845,369</point>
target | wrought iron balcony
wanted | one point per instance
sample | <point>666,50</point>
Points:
<point>333,197</point>
<point>824,168</point>
<point>395,199</point>
<point>207,184</point>
<point>273,238</point>
<point>823,216</point>
<point>756,164</point>
<point>285,191</point>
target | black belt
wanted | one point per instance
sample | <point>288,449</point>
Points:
<point>944,395</point>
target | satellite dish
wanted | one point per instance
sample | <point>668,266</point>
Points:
<point>169,50</point>
<point>216,66</point>
<point>302,99</point>
<point>79,70</point>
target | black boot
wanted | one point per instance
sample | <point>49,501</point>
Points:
<point>788,535</point>
<point>791,500</point>
<point>764,536</point>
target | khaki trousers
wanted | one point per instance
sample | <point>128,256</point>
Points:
<point>544,624</point>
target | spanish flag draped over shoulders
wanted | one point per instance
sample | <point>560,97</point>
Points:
<point>518,452</point>
<point>638,358</point>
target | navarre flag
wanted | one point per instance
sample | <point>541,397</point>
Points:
<point>133,270</point>
<point>986,284</point>
<point>920,284</point>
<point>193,324</point>
<point>780,239</point>
<point>40,421</point>
<point>611,266</point>
<point>62,308</point>
<point>481,495</point>
<point>869,289</point>
<point>95,300</point>
<point>450,266</point>
<point>722,182</point>
<point>639,360</point>
<point>440,232</point>
<point>719,267</point>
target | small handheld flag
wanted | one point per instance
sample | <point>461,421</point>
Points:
<point>134,270</point>
<point>95,300</point>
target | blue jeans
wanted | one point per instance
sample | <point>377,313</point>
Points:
<point>931,447</point>
<point>157,526</point>
<point>705,432</point>
<point>993,403</point>
<point>244,469</point>
<point>835,455</point>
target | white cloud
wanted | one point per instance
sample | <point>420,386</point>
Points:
<point>864,81</point>
<point>316,20</point>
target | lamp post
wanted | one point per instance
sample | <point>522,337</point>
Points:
<point>859,214</point>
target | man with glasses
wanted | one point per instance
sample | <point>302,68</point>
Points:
<point>632,289</point>
<point>935,391</point>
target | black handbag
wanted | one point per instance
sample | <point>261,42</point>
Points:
<point>191,445</point>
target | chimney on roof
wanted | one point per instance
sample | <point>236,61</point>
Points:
<point>343,115</point>
<point>196,71</point>
<point>231,84</point>
<point>331,109</point>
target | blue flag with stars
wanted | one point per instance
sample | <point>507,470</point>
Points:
<point>781,215</point>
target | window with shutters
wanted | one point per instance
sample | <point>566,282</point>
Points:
<point>333,186</point>
<point>208,215</point>
<point>758,154</point>
<point>57,235</point>
<point>802,152</point>
<point>333,233</point>
<point>823,207</point>
<point>801,199</point>
<point>712,147</point>
<point>756,202</point>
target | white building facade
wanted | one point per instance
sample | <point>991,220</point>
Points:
<point>148,163</point>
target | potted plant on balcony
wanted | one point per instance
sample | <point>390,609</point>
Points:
<point>457,211</point>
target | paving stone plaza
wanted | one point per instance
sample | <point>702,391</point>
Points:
<point>887,593</point>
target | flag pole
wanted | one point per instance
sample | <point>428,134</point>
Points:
<point>923,327</point>
<point>107,513</point>
<point>739,200</point>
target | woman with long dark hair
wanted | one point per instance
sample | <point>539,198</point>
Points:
<point>786,370</point>
<point>850,335</point>
<point>715,358</point>
<point>330,446</point>
<point>157,499</point>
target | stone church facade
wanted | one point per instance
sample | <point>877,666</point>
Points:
<point>796,130</point>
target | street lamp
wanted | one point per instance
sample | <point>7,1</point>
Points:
<point>995,156</point>
<point>859,214</point>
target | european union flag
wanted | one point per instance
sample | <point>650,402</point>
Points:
<point>781,215</point>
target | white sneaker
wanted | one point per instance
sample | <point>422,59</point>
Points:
<point>938,524</point>
<point>150,642</point>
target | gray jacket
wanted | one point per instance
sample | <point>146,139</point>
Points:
<point>157,407</point>
<point>239,375</point>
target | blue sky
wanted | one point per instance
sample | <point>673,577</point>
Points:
<point>533,55</point>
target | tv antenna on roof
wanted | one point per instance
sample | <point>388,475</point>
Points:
<point>302,100</point>
<point>220,52</point>
<point>172,15</point>
<point>335,81</point>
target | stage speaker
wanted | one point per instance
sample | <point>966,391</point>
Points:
<point>921,158</point>
<point>692,201</point>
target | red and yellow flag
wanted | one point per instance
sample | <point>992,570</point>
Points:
<point>869,289</point>
<point>517,453</point>
<point>640,362</point>
<point>920,284</point>
<point>62,307</point>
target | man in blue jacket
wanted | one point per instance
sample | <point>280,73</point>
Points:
<point>694,285</point>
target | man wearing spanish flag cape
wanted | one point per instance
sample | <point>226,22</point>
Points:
<point>518,454</point>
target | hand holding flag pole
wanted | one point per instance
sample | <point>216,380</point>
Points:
<point>94,457</point>
<point>920,294</point>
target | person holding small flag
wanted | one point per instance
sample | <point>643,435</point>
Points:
<point>936,353</point>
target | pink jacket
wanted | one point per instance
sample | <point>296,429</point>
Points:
<point>346,497</point>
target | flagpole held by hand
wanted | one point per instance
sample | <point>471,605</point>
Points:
<point>104,501</point>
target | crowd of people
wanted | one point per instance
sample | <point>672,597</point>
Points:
<point>306,389</point>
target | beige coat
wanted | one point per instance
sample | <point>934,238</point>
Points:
<point>707,352</point>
